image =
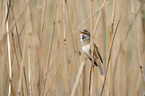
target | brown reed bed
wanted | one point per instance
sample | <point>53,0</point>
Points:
<point>40,49</point>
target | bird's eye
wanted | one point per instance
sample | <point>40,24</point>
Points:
<point>83,37</point>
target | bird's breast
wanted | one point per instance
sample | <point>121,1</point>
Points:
<point>86,49</point>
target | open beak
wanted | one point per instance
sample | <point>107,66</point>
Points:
<point>81,32</point>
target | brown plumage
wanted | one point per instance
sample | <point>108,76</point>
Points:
<point>86,48</point>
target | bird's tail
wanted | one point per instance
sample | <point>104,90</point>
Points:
<point>100,68</point>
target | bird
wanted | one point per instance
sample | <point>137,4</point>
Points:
<point>86,48</point>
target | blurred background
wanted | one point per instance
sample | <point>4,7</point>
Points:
<point>45,49</point>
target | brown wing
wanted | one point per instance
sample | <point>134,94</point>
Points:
<point>98,59</point>
<point>97,54</point>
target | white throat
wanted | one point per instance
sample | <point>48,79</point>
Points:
<point>86,49</point>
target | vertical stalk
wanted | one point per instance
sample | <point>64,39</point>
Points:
<point>82,85</point>
<point>21,68</point>
<point>49,50</point>
<point>78,35</point>
<point>29,33</point>
<point>43,22</point>
<point>70,26</point>
<point>9,51</point>
<point>18,38</point>
<point>91,30</point>
<point>136,42</point>
<point>109,57</point>
<point>77,78</point>
<point>40,21</point>
<point>95,13</point>
<point>65,57</point>
<point>111,33</point>
<point>95,27</point>
<point>122,44</point>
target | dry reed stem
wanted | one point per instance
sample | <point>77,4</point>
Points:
<point>65,54</point>
<point>49,51</point>
<point>17,32</point>
<point>111,33</point>
<point>70,26</point>
<point>73,35</point>
<point>124,40</point>
<point>13,92</point>
<point>21,67</point>
<point>16,20</point>
<point>43,21</point>
<point>39,50</point>
<point>98,10</point>
<point>40,74</point>
<point>9,47</point>
<point>21,34</point>
<point>91,42</point>
<point>13,89</point>
<point>136,42</point>
<point>78,34</point>
<point>14,41</point>
<point>14,46</point>
<point>29,33</point>
<point>90,80</point>
<point>25,81</point>
<point>109,57</point>
<point>59,83</point>
<point>97,21</point>
<point>138,83</point>
<point>7,72</point>
<point>82,82</point>
<point>77,78</point>
<point>53,79</point>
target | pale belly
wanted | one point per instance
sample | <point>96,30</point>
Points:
<point>86,49</point>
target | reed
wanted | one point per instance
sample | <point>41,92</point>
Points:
<point>41,55</point>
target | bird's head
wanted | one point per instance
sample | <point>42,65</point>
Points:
<point>85,36</point>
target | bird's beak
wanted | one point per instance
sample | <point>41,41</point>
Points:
<point>81,32</point>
